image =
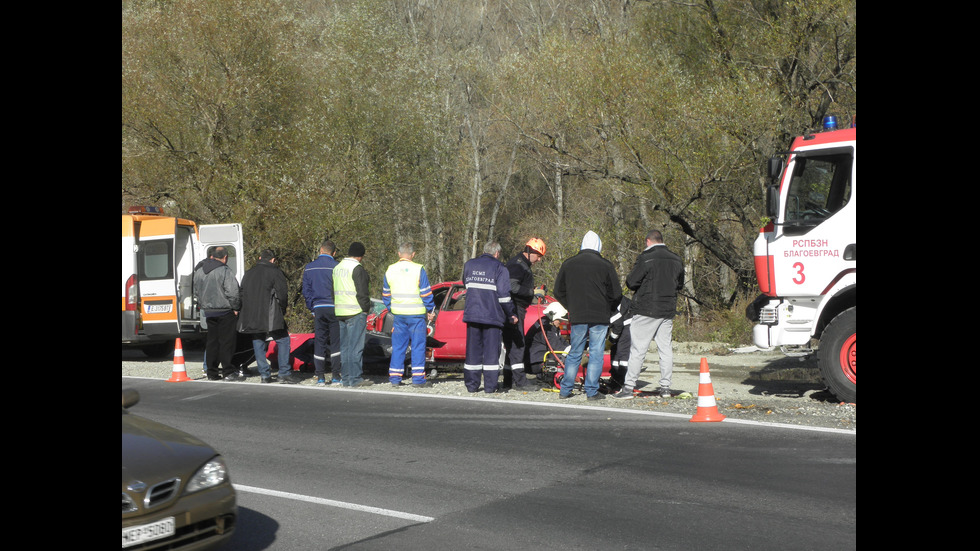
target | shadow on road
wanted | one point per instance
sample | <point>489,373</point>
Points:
<point>789,377</point>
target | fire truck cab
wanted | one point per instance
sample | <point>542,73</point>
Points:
<point>159,254</point>
<point>806,256</point>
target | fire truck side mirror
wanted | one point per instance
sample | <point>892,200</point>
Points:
<point>772,190</point>
<point>775,167</point>
<point>772,201</point>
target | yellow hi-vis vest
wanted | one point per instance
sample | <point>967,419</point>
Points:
<point>403,281</point>
<point>344,292</point>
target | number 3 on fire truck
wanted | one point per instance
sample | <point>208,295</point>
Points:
<point>799,272</point>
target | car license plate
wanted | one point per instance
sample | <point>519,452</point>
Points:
<point>158,308</point>
<point>148,532</point>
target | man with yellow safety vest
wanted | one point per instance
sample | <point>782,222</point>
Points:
<point>351,305</point>
<point>407,294</point>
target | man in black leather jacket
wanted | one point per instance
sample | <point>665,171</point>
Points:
<point>655,279</point>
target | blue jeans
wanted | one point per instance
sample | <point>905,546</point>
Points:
<point>408,330</point>
<point>596,334</point>
<point>259,346</point>
<point>352,333</point>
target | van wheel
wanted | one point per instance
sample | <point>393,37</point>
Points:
<point>158,350</point>
<point>838,356</point>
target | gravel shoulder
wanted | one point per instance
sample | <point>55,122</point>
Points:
<point>749,385</point>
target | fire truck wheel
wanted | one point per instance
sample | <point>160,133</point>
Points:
<point>838,356</point>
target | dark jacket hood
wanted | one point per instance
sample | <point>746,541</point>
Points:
<point>209,265</point>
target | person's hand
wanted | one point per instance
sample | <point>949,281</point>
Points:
<point>431,316</point>
<point>514,320</point>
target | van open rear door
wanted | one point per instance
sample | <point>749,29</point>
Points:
<point>228,236</point>
<point>161,242</point>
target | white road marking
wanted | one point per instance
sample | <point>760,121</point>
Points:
<point>332,503</point>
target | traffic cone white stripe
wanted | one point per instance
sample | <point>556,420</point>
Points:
<point>706,401</point>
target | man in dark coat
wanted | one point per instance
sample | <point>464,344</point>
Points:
<point>655,279</point>
<point>263,293</point>
<point>588,287</point>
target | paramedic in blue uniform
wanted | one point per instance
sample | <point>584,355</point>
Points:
<point>489,308</point>
<point>408,296</point>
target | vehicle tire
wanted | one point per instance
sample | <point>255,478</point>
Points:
<point>837,356</point>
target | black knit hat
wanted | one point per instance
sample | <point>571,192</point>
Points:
<point>356,249</point>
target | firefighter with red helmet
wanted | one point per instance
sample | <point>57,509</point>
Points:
<point>522,292</point>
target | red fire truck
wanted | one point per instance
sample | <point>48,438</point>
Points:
<point>806,256</point>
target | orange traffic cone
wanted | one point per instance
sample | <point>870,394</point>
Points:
<point>707,409</point>
<point>179,374</point>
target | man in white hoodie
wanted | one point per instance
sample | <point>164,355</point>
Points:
<point>588,287</point>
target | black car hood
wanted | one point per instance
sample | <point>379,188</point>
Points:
<point>152,451</point>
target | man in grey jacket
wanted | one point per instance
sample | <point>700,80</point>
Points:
<point>655,279</point>
<point>217,295</point>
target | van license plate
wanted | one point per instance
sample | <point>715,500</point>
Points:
<point>148,532</point>
<point>158,308</point>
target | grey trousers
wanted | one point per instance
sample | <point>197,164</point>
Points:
<point>642,331</point>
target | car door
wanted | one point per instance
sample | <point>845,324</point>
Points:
<point>449,327</point>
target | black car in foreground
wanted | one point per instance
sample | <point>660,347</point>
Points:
<point>176,493</point>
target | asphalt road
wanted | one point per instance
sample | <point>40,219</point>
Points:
<point>349,469</point>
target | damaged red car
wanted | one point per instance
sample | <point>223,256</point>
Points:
<point>446,340</point>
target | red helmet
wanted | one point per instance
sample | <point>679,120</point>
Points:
<point>537,245</point>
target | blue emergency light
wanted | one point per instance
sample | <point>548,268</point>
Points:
<point>145,209</point>
<point>829,123</point>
